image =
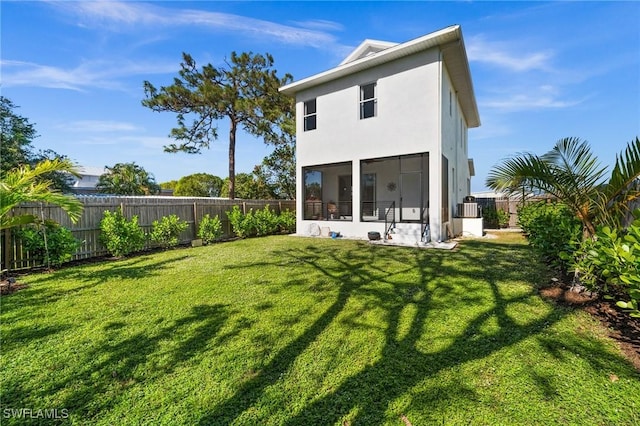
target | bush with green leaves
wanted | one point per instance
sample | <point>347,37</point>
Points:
<point>119,235</point>
<point>241,224</point>
<point>552,230</point>
<point>287,222</point>
<point>166,231</point>
<point>490,217</point>
<point>611,263</point>
<point>210,229</point>
<point>494,217</point>
<point>503,218</point>
<point>266,221</point>
<point>260,222</point>
<point>49,243</point>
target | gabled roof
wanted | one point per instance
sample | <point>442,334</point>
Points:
<point>92,171</point>
<point>366,48</point>
<point>373,53</point>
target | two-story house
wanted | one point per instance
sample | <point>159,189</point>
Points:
<point>382,139</point>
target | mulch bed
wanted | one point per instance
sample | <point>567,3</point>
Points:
<point>7,288</point>
<point>624,329</point>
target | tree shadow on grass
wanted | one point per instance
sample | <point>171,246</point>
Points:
<point>43,290</point>
<point>120,360</point>
<point>15,336</point>
<point>366,396</point>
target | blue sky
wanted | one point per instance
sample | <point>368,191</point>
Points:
<point>541,71</point>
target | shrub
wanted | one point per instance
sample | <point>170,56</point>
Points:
<point>494,217</point>
<point>490,217</point>
<point>265,221</point>
<point>242,224</point>
<point>119,235</point>
<point>552,230</point>
<point>210,229</point>
<point>287,222</point>
<point>261,222</point>
<point>611,263</point>
<point>60,243</point>
<point>503,218</point>
<point>166,231</point>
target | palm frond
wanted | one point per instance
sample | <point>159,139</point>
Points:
<point>624,185</point>
<point>25,184</point>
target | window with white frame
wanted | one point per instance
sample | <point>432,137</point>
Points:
<point>368,101</point>
<point>310,115</point>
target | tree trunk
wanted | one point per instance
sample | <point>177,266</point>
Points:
<point>232,159</point>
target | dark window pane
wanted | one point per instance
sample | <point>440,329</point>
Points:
<point>310,107</point>
<point>368,109</point>
<point>367,92</point>
<point>310,123</point>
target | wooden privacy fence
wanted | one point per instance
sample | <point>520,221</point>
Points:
<point>509,205</point>
<point>87,230</point>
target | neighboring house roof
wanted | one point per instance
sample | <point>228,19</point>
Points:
<point>373,53</point>
<point>92,171</point>
<point>89,176</point>
<point>489,194</point>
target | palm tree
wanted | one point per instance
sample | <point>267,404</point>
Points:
<point>25,184</point>
<point>127,179</point>
<point>571,173</point>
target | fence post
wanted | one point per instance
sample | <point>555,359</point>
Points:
<point>244,207</point>
<point>195,220</point>
<point>7,249</point>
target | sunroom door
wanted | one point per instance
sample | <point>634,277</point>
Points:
<point>345,195</point>
<point>410,196</point>
<point>368,195</point>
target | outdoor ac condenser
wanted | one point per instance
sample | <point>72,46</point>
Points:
<point>468,210</point>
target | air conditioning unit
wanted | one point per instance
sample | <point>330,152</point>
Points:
<point>468,210</point>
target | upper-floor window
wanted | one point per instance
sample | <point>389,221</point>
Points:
<point>368,101</point>
<point>310,115</point>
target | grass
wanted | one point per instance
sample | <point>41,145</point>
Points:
<point>285,330</point>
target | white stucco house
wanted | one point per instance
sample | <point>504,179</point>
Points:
<point>88,176</point>
<point>382,139</point>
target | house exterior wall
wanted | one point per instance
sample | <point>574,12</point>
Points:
<point>407,93</point>
<point>410,119</point>
<point>454,147</point>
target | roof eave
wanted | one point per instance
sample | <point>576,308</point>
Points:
<point>434,39</point>
<point>447,39</point>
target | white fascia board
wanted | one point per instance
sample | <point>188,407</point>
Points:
<point>373,45</point>
<point>448,39</point>
<point>404,49</point>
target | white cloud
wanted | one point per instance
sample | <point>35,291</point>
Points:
<point>521,102</point>
<point>88,75</point>
<point>507,56</point>
<point>116,16</point>
<point>125,142</point>
<point>112,14</point>
<point>320,24</point>
<point>543,97</point>
<point>99,126</point>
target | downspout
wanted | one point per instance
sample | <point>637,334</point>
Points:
<point>438,230</point>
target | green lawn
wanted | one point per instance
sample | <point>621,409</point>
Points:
<point>287,330</point>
